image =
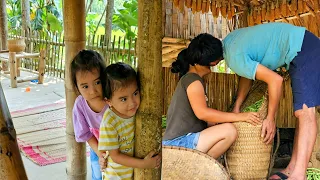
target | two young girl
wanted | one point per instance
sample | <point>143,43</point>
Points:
<point>190,122</point>
<point>116,87</point>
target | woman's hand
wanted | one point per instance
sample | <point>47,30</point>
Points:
<point>250,117</point>
<point>152,162</point>
<point>103,161</point>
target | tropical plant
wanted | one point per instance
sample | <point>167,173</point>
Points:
<point>14,14</point>
<point>43,15</point>
<point>126,18</point>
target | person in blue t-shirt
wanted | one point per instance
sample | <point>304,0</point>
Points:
<point>254,53</point>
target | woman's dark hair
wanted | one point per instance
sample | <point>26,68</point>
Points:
<point>87,60</point>
<point>119,75</point>
<point>202,50</point>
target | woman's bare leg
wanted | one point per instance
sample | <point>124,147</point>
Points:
<point>216,140</point>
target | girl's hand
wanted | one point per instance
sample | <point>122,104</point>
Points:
<point>152,162</point>
<point>103,161</point>
<point>250,117</point>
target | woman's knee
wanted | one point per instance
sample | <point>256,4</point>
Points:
<point>231,131</point>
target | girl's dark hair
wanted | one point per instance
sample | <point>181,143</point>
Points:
<point>87,60</point>
<point>119,75</point>
<point>202,50</point>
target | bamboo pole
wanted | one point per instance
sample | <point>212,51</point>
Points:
<point>18,61</point>
<point>59,59</point>
<point>74,29</point>
<point>11,164</point>
<point>42,64</point>
<point>148,118</point>
<point>13,74</point>
<point>3,31</point>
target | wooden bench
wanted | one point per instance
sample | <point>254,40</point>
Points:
<point>14,61</point>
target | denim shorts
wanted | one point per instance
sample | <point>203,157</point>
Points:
<point>189,140</point>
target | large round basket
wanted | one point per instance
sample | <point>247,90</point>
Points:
<point>183,163</point>
<point>249,157</point>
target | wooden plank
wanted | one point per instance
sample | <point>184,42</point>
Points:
<point>169,23</point>
<point>197,24</point>
<point>174,22</point>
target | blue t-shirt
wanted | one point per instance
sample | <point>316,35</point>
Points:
<point>272,45</point>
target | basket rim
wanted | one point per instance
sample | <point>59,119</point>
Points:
<point>197,152</point>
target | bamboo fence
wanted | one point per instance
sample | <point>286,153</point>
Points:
<point>112,50</point>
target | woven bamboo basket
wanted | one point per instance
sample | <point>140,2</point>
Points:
<point>249,157</point>
<point>16,45</point>
<point>183,163</point>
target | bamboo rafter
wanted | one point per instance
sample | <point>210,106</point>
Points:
<point>171,47</point>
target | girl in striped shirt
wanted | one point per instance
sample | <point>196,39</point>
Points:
<point>117,125</point>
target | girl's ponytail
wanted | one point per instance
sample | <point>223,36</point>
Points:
<point>181,65</point>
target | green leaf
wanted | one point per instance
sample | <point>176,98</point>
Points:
<point>55,24</point>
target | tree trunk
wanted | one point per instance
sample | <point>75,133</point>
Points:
<point>74,31</point>
<point>108,22</point>
<point>3,31</point>
<point>11,165</point>
<point>25,13</point>
<point>148,118</point>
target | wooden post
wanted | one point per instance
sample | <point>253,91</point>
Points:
<point>18,60</point>
<point>3,31</point>
<point>75,37</point>
<point>11,165</point>
<point>148,119</point>
<point>13,74</point>
<point>42,65</point>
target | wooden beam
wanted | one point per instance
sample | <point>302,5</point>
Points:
<point>75,40</point>
<point>13,74</point>
<point>11,164</point>
<point>149,117</point>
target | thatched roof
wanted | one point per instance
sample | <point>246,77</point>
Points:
<point>298,12</point>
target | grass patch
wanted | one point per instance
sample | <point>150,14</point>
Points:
<point>164,121</point>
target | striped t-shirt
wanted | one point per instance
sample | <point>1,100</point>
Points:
<point>116,133</point>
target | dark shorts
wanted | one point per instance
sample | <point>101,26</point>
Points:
<point>304,71</point>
